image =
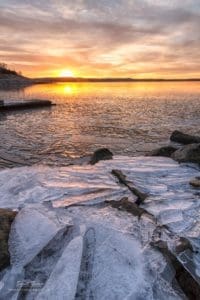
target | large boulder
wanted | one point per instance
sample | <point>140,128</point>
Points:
<point>6,219</point>
<point>101,154</point>
<point>165,151</point>
<point>189,153</point>
<point>182,138</point>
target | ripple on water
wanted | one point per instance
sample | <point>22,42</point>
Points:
<point>128,118</point>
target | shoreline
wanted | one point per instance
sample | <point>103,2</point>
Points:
<point>15,83</point>
<point>181,147</point>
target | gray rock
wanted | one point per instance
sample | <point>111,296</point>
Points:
<point>6,218</point>
<point>182,138</point>
<point>165,151</point>
<point>195,182</point>
<point>101,154</point>
<point>128,206</point>
<point>189,153</point>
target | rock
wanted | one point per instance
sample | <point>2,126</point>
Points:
<point>195,182</point>
<point>182,138</point>
<point>183,244</point>
<point>101,154</point>
<point>6,218</point>
<point>164,151</point>
<point>128,206</point>
<point>189,153</point>
<point>130,185</point>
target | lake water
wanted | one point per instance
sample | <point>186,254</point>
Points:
<point>128,118</point>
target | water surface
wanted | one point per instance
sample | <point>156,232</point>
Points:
<point>128,118</point>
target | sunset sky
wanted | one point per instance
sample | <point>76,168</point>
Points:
<point>101,38</point>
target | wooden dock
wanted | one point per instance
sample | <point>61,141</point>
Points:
<point>28,104</point>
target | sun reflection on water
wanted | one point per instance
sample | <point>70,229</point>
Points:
<point>143,90</point>
<point>69,89</point>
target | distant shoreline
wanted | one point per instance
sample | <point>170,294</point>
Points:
<point>17,82</point>
<point>81,79</point>
<point>11,82</point>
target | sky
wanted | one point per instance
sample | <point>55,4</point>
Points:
<point>101,38</point>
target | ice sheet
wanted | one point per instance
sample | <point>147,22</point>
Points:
<point>121,261</point>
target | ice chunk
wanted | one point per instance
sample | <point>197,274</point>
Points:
<point>11,283</point>
<point>171,216</point>
<point>30,232</point>
<point>63,280</point>
<point>118,268</point>
<point>24,185</point>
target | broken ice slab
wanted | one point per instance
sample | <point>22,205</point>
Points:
<point>30,232</point>
<point>118,268</point>
<point>63,280</point>
<point>10,284</point>
<point>170,216</point>
<point>67,185</point>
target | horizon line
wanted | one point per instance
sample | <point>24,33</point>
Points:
<point>111,79</point>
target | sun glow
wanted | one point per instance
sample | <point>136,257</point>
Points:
<point>66,73</point>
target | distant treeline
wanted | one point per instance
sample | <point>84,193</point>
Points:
<point>5,70</point>
<point>79,79</point>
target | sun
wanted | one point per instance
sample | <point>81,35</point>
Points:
<point>66,73</point>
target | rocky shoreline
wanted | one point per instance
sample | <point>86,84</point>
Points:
<point>79,207</point>
<point>186,148</point>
